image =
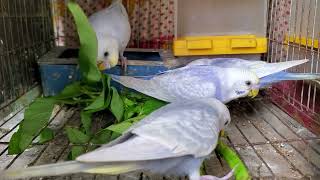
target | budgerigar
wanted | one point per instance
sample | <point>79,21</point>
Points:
<point>113,32</point>
<point>194,82</point>
<point>173,140</point>
<point>267,72</point>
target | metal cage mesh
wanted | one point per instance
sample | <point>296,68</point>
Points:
<point>294,33</point>
<point>26,33</point>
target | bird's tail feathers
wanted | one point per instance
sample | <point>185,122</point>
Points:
<point>65,168</point>
<point>285,76</point>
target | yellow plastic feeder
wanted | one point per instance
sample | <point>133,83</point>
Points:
<point>218,27</point>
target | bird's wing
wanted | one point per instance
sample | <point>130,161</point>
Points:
<point>265,69</point>
<point>261,68</point>
<point>175,130</point>
<point>224,62</point>
<point>182,83</point>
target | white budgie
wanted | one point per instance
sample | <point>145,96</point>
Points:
<point>173,140</point>
<point>192,82</point>
<point>267,72</point>
<point>113,32</point>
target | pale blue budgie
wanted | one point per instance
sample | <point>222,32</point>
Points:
<point>267,72</point>
<point>193,82</point>
<point>113,32</point>
<point>173,140</point>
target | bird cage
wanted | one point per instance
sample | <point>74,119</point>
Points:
<point>26,33</point>
<point>30,29</point>
<point>294,33</point>
<point>39,47</point>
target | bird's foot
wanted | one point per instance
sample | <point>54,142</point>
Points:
<point>226,177</point>
<point>124,63</point>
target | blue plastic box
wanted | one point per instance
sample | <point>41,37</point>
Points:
<point>58,67</point>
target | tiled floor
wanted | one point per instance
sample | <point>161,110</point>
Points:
<point>271,144</point>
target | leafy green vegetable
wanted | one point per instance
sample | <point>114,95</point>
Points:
<point>77,151</point>
<point>151,105</point>
<point>233,161</point>
<point>88,45</point>
<point>36,117</point>
<point>70,91</point>
<point>116,105</point>
<point>86,120</point>
<point>102,137</point>
<point>120,128</point>
<point>46,135</point>
<point>77,137</point>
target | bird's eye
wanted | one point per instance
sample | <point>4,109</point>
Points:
<point>226,123</point>
<point>248,83</point>
<point>106,54</point>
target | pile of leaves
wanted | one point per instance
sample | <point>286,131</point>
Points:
<point>94,94</point>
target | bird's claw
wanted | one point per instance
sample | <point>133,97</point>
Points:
<point>208,177</point>
<point>124,63</point>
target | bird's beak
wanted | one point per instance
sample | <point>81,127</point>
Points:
<point>253,93</point>
<point>222,134</point>
<point>113,61</point>
<point>103,65</point>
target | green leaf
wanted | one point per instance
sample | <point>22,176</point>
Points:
<point>102,137</point>
<point>70,91</point>
<point>131,111</point>
<point>98,103</point>
<point>116,105</point>
<point>77,137</point>
<point>233,160</point>
<point>121,127</point>
<point>151,105</point>
<point>14,147</point>
<point>127,102</point>
<point>36,117</point>
<point>46,135</point>
<point>115,135</point>
<point>77,151</point>
<point>135,119</point>
<point>88,45</point>
<point>86,119</point>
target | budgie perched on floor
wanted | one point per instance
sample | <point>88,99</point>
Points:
<point>113,32</point>
<point>192,82</point>
<point>173,140</point>
<point>267,72</point>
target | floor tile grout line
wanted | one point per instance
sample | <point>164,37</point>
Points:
<point>255,110</point>
<point>303,139</point>
<point>237,152</point>
<point>272,142</point>
<point>272,173</point>
<point>273,145</point>
<point>4,122</point>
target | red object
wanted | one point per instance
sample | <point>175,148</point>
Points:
<point>292,97</point>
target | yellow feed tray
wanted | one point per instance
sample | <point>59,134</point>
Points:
<point>303,41</point>
<point>218,45</point>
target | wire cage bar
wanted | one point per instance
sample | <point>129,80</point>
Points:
<point>294,33</point>
<point>152,22</point>
<point>26,33</point>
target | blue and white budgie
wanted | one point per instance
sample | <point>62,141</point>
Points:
<point>192,82</point>
<point>173,140</point>
<point>113,32</point>
<point>267,72</point>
